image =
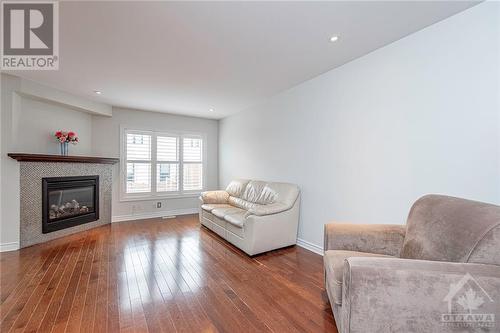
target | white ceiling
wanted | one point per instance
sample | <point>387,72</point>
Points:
<point>188,57</point>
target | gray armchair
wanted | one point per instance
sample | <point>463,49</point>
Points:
<point>439,273</point>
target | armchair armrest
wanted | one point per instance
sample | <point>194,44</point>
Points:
<point>405,295</point>
<point>374,238</point>
<point>214,197</point>
<point>274,208</point>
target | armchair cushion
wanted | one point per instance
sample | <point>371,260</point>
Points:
<point>373,238</point>
<point>445,228</point>
<point>215,197</point>
<point>334,270</point>
<point>403,295</point>
<point>490,244</point>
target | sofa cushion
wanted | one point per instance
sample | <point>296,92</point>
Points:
<point>267,196</point>
<point>214,197</point>
<point>233,231</point>
<point>253,191</point>
<point>443,228</point>
<point>240,203</point>
<point>237,219</point>
<point>210,207</point>
<point>223,211</point>
<point>282,192</point>
<point>237,187</point>
<point>334,270</point>
<point>263,193</point>
<point>269,209</point>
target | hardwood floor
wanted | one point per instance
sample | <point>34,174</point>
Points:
<point>160,276</point>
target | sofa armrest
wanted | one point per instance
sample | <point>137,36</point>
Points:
<point>405,295</point>
<point>214,197</point>
<point>270,232</point>
<point>274,208</point>
<point>374,238</point>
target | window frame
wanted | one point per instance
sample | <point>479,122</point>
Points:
<point>154,194</point>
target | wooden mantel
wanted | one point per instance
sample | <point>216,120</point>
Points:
<point>23,157</point>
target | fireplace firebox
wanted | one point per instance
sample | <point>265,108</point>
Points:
<point>69,201</point>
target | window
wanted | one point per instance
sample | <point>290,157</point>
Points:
<point>156,164</point>
<point>167,167</point>
<point>138,163</point>
<point>192,168</point>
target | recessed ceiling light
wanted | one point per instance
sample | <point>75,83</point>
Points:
<point>97,92</point>
<point>211,110</point>
<point>334,38</point>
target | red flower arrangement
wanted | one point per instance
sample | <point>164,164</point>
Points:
<point>66,136</point>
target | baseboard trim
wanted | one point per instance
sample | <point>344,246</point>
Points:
<point>9,246</point>
<point>310,246</point>
<point>123,218</point>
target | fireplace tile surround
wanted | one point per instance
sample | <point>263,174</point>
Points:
<point>31,178</point>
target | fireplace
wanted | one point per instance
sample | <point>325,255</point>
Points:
<point>69,201</point>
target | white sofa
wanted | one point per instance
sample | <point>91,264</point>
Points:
<point>255,216</point>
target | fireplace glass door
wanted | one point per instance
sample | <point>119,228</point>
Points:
<point>69,201</point>
<point>64,203</point>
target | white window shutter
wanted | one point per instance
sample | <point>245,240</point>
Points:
<point>138,155</point>
<point>193,164</point>
<point>167,167</point>
<point>157,164</point>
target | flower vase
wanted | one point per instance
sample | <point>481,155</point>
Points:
<point>64,148</point>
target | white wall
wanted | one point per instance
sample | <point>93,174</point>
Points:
<point>37,122</point>
<point>9,212</point>
<point>106,142</point>
<point>365,140</point>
